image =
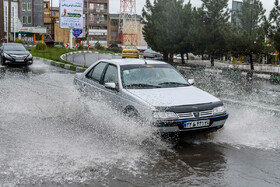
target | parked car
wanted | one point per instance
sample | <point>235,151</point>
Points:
<point>149,53</point>
<point>15,53</point>
<point>130,51</point>
<point>154,91</point>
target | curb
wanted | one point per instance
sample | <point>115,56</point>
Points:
<point>61,64</point>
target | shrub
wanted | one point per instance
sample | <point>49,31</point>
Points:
<point>17,40</point>
<point>115,48</point>
<point>41,45</point>
<point>98,46</point>
<point>81,46</point>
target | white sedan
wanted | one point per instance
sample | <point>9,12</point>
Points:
<point>154,91</point>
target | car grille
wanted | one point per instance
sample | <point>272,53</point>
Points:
<point>195,114</point>
<point>19,57</point>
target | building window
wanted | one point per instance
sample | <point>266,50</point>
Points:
<point>23,7</point>
<point>29,19</point>
<point>24,19</point>
<point>28,6</point>
<point>46,5</point>
<point>114,22</point>
<point>91,6</point>
<point>91,17</point>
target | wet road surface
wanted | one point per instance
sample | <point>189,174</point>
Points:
<point>50,135</point>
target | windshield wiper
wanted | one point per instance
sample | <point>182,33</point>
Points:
<point>142,85</point>
<point>172,83</point>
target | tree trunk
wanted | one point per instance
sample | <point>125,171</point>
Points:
<point>165,57</point>
<point>251,62</point>
<point>212,60</point>
<point>182,58</point>
<point>187,56</point>
<point>170,58</point>
<point>202,56</point>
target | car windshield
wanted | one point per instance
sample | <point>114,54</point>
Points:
<point>14,48</point>
<point>151,76</point>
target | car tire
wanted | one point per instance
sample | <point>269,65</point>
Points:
<point>2,61</point>
<point>131,113</point>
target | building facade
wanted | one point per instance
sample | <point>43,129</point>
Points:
<point>31,15</point>
<point>1,21</point>
<point>11,22</point>
<point>96,21</point>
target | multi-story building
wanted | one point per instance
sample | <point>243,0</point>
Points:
<point>1,22</point>
<point>51,16</point>
<point>236,8</point>
<point>96,19</point>
<point>11,22</point>
<point>31,14</point>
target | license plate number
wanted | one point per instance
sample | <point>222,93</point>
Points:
<point>195,124</point>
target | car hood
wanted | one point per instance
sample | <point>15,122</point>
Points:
<point>166,97</point>
<point>17,52</point>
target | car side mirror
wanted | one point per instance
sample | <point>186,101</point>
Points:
<point>191,81</point>
<point>111,85</point>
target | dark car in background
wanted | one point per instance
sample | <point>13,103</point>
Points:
<point>15,54</point>
<point>149,53</point>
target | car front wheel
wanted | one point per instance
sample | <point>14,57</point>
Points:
<point>2,61</point>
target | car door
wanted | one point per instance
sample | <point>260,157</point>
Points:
<point>113,96</point>
<point>92,84</point>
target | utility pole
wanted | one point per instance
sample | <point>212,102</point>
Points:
<point>1,21</point>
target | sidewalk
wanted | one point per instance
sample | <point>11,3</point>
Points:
<point>259,68</point>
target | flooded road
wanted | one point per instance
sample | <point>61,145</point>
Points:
<point>50,135</point>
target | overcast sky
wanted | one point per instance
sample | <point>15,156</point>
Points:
<point>115,5</point>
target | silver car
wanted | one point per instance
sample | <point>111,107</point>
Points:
<point>149,53</point>
<point>154,91</point>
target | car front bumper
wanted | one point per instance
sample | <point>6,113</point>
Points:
<point>18,62</point>
<point>177,126</point>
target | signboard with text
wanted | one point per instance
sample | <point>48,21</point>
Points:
<point>71,14</point>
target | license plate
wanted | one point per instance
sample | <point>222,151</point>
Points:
<point>195,124</point>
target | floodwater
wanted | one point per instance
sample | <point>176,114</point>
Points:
<point>50,135</point>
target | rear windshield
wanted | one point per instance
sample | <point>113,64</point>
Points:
<point>14,48</point>
<point>130,47</point>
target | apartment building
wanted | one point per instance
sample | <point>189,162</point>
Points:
<point>1,22</point>
<point>31,14</point>
<point>11,23</point>
<point>96,19</point>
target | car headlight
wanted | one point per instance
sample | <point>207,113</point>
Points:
<point>7,56</point>
<point>165,115</point>
<point>29,56</point>
<point>219,110</point>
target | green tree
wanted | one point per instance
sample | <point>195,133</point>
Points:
<point>249,34</point>
<point>164,26</point>
<point>274,18</point>
<point>216,20</point>
<point>198,32</point>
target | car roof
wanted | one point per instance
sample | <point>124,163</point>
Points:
<point>131,61</point>
<point>11,44</point>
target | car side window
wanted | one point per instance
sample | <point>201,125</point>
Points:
<point>97,71</point>
<point>111,74</point>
